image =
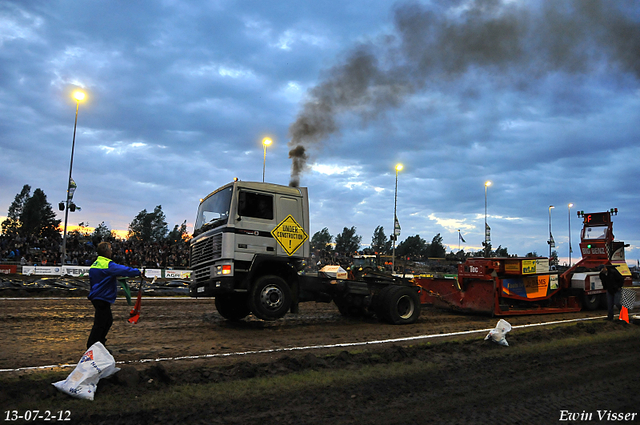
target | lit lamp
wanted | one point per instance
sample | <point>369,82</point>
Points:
<point>78,95</point>
<point>265,142</point>
<point>396,224</point>
<point>487,234</point>
<point>570,249</point>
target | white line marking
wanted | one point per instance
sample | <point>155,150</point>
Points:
<point>307,347</point>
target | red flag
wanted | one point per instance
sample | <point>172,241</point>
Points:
<point>134,315</point>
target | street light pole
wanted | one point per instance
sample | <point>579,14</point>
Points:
<point>570,249</point>
<point>395,219</point>
<point>486,227</point>
<point>78,96</point>
<point>551,241</point>
<point>265,142</point>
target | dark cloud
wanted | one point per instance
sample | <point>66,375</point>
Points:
<point>540,97</point>
<point>508,44</point>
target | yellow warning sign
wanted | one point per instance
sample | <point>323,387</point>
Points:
<point>290,235</point>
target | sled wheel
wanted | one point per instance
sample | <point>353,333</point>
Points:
<point>232,306</point>
<point>590,302</point>
<point>400,305</point>
<point>270,298</point>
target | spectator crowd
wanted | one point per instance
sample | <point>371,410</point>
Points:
<point>32,250</point>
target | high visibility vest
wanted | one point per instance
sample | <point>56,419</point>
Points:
<point>101,263</point>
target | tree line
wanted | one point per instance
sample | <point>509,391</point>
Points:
<point>30,214</point>
<point>348,243</point>
<point>31,229</point>
<point>413,247</point>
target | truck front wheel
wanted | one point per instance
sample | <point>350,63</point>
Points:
<point>232,306</point>
<point>270,298</point>
<point>400,305</point>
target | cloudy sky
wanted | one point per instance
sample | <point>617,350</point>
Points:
<point>540,98</point>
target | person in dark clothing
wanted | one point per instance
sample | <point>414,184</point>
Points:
<point>612,281</point>
<point>104,288</point>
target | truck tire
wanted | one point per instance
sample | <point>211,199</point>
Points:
<point>590,302</point>
<point>270,298</point>
<point>232,306</point>
<point>380,303</point>
<point>400,305</point>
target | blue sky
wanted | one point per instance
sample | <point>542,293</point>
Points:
<point>541,98</point>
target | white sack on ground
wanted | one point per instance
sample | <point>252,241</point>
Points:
<point>497,335</point>
<point>96,363</point>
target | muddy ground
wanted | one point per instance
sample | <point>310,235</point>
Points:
<point>544,372</point>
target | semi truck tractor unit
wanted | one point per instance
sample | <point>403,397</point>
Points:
<point>250,243</point>
<point>524,285</point>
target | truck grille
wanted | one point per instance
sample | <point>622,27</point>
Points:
<point>205,250</point>
<point>202,274</point>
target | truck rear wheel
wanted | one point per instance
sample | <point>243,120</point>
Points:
<point>232,306</point>
<point>270,298</point>
<point>400,305</point>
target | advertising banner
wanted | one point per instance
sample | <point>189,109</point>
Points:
<point>539,265</point>
<point>75,271</point>
<point>82,271</point>
<point>41,270</point>
<point>530,286</point>
<point>8,269</point>
<point>177,274</point>
<point>152,273</point>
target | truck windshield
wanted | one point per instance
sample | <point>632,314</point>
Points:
<point>213,211</point>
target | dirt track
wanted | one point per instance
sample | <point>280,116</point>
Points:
<point>49,331</point>
<point>459,382</point>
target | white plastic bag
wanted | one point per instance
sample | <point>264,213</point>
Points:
<point>497,335</point>
<point>96,363</point>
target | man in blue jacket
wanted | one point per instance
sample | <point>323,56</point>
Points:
<point>104,288</point>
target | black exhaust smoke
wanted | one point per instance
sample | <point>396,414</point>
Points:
<point>298,162</point>
<point>510,45</point>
